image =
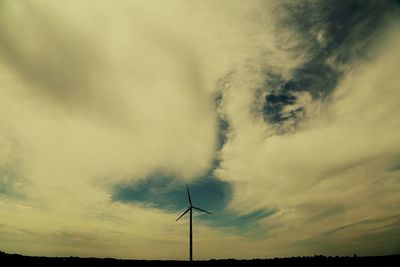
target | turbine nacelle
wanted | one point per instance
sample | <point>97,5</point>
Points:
<point>191,205</point>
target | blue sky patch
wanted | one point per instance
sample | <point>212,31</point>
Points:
<point>11,181</point>
<point>169,194</point>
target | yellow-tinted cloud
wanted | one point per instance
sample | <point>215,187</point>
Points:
<point>96,93</point>
<point>336,169</point>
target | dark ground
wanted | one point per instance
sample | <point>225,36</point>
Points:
<point>318,260</point>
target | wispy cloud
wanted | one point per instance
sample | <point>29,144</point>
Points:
<point>322,143</point>
<point>282,116</point>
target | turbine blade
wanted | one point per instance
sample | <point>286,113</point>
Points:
<point>190,200</point>
<point>201,210</point>
<point>183,214</point>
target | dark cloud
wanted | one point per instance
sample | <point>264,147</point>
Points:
<point>327,36</point>
<point>275,104</point>
<point>47,53</point>
<point>223,123</point>
<point>382,240</point>
<point>363,222</point>
<point>58,62</point>
<point>325,213</point>
<point>334,28</point>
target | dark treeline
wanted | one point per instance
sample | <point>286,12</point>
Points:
<point>317,260</point>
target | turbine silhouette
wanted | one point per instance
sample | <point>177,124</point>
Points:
<point>191,207</point>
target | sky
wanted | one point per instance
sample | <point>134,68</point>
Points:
<point>281,116</point>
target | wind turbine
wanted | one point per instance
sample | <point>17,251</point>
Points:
<point>191,207</point>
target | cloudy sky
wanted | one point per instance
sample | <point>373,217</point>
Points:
<point>283,117</point>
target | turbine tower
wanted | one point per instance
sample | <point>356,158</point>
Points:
<point>191,207</point>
